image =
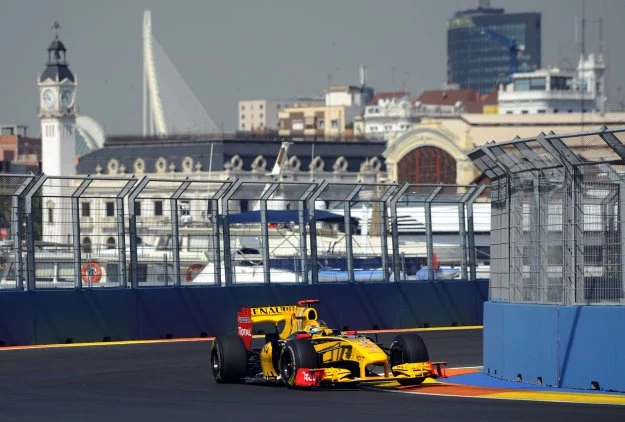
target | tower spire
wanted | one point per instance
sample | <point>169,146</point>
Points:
<point>56,26</point>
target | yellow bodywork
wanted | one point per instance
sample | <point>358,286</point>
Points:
<point>340,354</point>
<point>295,318</point>
<point>365,353</point>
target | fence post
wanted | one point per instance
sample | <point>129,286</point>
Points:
<point>312,228</point>
<point>121,228</point>
<point>301,216</point>
<point>226,231</point>
<point>16,233</point>
<point>175,233</point>
<point>429,239</point>
<point>132,230</point>
<point>264,230</point>
<point>225,186</point>
<point>30,232</point>
<point>463,232</point>
<point>76,230</point>
<point>384,230</point>
<point>395,231</point>
<point>349,251</point>
<point>471,232</point>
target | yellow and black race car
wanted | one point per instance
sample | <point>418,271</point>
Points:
<point>304,352</point>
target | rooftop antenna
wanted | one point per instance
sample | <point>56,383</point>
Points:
<point>601,36</point>
<point>583,34</point>
<point>603,59</point>
<point>582,66</point>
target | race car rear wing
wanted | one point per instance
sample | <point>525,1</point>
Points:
<point>295,318</point>
<point>244,326</point>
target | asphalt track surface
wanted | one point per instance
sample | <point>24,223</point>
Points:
<point>172,382</point>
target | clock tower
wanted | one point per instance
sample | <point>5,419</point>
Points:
<point>57,111</point>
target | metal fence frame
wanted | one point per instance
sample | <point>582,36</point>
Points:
<point>127,191</point>
<point>577,172</point>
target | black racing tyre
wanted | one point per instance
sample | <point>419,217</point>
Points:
<point>298,353</point>
<point>229,359</point>
<point>408,348</point>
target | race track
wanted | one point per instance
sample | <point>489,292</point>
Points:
<point>172,382</point>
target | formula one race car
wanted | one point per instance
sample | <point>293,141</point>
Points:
<point>304,352</point>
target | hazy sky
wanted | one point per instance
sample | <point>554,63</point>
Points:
<point>228,50</point>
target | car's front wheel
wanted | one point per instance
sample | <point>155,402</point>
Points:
<point>295,354</point>
<point>408,348</point>
<point>228,359</point>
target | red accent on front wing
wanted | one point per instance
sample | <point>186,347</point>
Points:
<point>440,371</point>
<point>306,377</point>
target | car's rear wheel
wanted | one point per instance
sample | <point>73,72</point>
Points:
<point>295,354</point>
<point>408,348</point>
<point>229,359</point>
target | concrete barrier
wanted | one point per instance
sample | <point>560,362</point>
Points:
<point>59,316</point>
<point>561,346</point>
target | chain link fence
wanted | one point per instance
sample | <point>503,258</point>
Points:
<point>557,218</point>
<point>125,232</point>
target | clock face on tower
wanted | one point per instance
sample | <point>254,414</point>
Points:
<point>67,98</point>
<point>49,98</point>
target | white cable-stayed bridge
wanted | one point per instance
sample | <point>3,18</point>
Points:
<point>169,105</point>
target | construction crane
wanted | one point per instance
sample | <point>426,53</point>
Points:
<point>513,48</point>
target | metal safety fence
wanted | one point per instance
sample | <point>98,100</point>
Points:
<point>558,223</point>
<point>125,232</point>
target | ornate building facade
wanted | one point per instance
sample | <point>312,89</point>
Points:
<point>435,150</point>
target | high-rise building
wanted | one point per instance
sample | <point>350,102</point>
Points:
<point>485,45</point>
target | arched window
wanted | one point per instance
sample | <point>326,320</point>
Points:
<point>427,165</point>
<point>110,243</point>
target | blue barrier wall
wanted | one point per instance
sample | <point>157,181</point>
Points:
<point>58,316</point>
<point>568,346</point>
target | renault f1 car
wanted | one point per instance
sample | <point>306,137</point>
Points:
<point>304,352</point>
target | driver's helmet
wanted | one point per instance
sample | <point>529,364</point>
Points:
<point>319,328</point>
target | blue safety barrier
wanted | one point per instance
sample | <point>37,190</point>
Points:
<point>59,316</point>
<point>561,346</point>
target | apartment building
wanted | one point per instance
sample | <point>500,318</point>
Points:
<point>18,152</point>
<point>335,119</point>
<point>263,115</point>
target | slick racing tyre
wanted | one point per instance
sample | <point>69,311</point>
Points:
<point>295,354</point>
<point>228,359</point>
<point>408,348</point>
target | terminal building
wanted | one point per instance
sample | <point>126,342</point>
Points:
<point>435,150</point>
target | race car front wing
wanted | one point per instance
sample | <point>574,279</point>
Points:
<point>316,377</point>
